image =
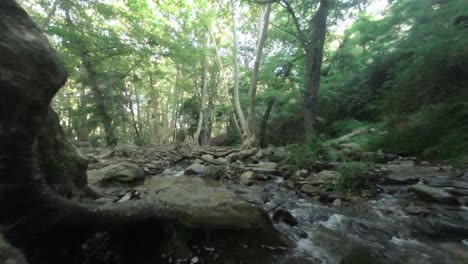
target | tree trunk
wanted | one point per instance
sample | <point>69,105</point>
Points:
<point>266,116</point>
<point>130,107</point>
<point>314,56</point>
<point>82,132</point>
<point>201,116</point>
<point>174,114</point>
<point>155,137</point>
<point>262,37</point>
<point>106,120</point>
<point>238,108</point>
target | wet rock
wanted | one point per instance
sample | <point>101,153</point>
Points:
<point>330,197</point>
<point>268,166</point>
<point>416,210</point>
<point>301,174</point>
<point>121,173</point>
<point>232,157</point>
<point>213,172</point>
<point>199,161</point>
<point>207,157</point>
<point>311,190</point>
<point>290,184</point>
<point>196,206</point>
<point>407,163</point>
<point>464,201</point>
<point>220,161</point>
<point>247,177</point>
<point>284,216</point>
<point>194,169</point>
<point>263,177</point>
<point>337,202</point>
<point>399,179</point>
<point>325,176</point>
<point>442,224</point>
<point>259,154</point>
<point>455,191</point>
<point>433,194</point>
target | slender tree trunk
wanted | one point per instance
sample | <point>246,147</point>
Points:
<point>173,126</point>
<point>130,107</point>
<point>314,56</point>
<point>138,114</point>
<point>223,81</point>
<point>240,113</point>
<point>82,132</point>
<point>262,37</point>
<point>155,139</point>
<point>266,117</point>
<point>201,116</point>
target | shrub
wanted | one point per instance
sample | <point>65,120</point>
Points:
<point>354,176</point>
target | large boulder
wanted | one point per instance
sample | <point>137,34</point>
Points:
<point>195,168</point>
<point>433,194</point>
<point>197,206</point>
<point>125,172</point>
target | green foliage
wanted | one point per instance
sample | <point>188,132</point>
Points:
<point>345,126</point>
<point>353,177</point>
<point>301,156</point>
<point>436,132</point>
<point>406,70</point>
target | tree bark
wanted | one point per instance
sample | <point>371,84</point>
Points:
<point>155,139</point>
<point>263,29</point>
<point>130,107</point>
<point>175,106</point>
<point>201,116</point>
<point>106,119</point>
<point>266,117</point>
<point>314,56</point>
<point>235,47</point>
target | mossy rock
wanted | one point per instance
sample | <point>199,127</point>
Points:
<point>123,173</point>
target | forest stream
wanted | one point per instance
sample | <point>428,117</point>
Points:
<point>399,224</point>
<point>229,132</point>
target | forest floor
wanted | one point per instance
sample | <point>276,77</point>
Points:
<point>412,212</point>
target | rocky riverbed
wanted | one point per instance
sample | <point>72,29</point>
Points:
<point>416,214</point>
<point>244,208</point>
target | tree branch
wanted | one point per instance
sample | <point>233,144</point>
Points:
<point>300,33</point>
